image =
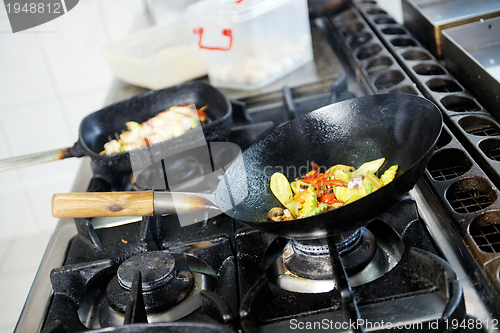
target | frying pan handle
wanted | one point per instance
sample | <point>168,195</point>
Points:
<point>147,203</point>
<point>34,159</point>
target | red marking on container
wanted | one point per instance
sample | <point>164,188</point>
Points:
<point>225,32</point>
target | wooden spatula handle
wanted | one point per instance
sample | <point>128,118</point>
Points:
<point>94,204</point>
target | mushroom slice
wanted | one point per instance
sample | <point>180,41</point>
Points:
<point>276,214</point>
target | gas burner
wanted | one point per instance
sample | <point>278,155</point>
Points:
<point>171,284</point>
<point>311,259</point>
<point>305,266</point>
<point>164,281</point>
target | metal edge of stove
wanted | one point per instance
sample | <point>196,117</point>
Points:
<point>447,239</point>
<point>33,315</point>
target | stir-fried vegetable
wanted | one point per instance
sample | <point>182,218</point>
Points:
<point>317,192</point>
<point>170,123</point>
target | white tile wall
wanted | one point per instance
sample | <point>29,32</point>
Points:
<point>51,77</point>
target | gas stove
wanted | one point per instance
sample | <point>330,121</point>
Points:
<point>428,264</point>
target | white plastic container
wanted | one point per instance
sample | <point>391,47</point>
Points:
<point>158,57</point>
<point>248,44</point>
<point>163,11</point>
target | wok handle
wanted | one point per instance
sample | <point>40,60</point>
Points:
<point>147,203</point>
<point>102,204</point>
<point>34,159</point>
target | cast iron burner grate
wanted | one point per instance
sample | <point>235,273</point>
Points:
<point>418,278</point>
<point>145,258</point>
<point>468,201</point>
<point>487,237</point>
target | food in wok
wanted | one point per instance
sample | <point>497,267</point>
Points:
<point>317,192</point>
<point>170,123</point>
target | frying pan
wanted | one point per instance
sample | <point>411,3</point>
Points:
<point>101,126</point>
<point>402,128</point>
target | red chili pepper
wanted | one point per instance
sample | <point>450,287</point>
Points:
<point>329,197</point>
<point>333,182</point>
<point>309,174</point>
<point>335,201</point>
<point>202,115</point>
<point>317,178</point>
<point>312,173</point>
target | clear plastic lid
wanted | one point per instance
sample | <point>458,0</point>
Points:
<point>233,10</point>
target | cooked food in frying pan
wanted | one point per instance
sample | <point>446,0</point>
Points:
<point>170,123</point>
<point>317,192</point>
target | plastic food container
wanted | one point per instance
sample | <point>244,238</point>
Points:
<point>247,44</point>
<point>163,11</point>
<point>158,57</point>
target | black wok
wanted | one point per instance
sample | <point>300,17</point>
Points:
<point>402,128</point>
<point>99,127</point>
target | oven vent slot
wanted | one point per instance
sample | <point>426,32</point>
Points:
<point>479,126</point>
<point>491,148</point>
<point>485,131</point>
<point>388,79</point>
<point>470,195</point>
<point>380,71</point>
<point>415,55</point>
<point>448,164</point>
<point>359,39</point>
<point>440,85</point>
<point>378,64</point>
<point>460,104</point>
<point>469,201</point>
<point>485,231</point>
<point>487,238</point>
<point>429,69</point>
<point>367,51</point>
<point>444,140</point>
<point>404,90</point>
